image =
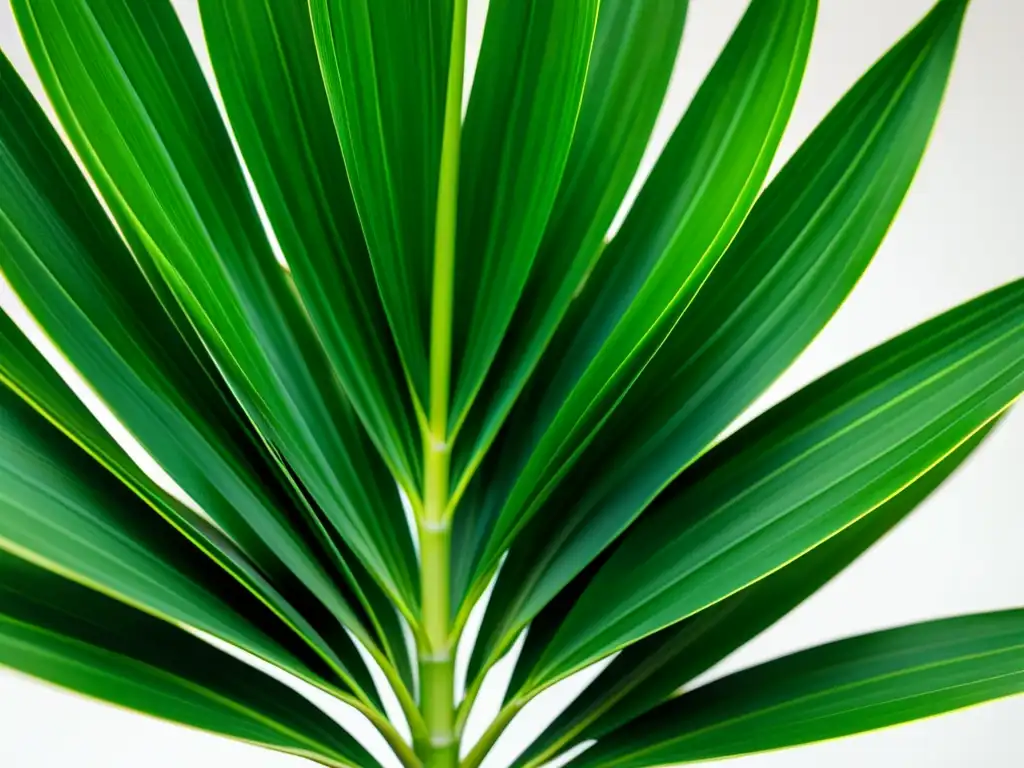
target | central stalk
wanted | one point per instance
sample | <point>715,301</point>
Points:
<point>437,654</point>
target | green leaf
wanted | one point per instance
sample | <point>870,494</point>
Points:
<point>801,473</point>
<point>687,212</point>
<point>635,46</point>
<point>127,87</point>
<point>385,65</point>
<point>806,242</point>
<point>269,77</point>
<point>68,265</point>
<point>282,121</point>
<point>518,131</point>
<point>653,669</point>
<point>860,684</point>
<point>24,369</point>
<point>63,511</point>
<point>82,640</point>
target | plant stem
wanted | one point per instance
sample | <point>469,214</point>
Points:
<point>437,654</point>
<point>491,735</point>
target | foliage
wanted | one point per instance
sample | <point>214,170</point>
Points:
<point>454,342</point>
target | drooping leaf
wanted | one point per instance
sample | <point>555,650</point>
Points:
<point>129,92</point>
<point>385,65</point>
<point>688,210</point>
<point>860,684</point>
<point>635,46</point>
<point>79,639</point>
<point>806,242</point>
<point>63,511</point>
<point>518,131</point>
<point>652,670</point>
<point>801,473</point>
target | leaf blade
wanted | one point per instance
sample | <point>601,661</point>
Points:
<point>653,669</point>
<point>841,447</point>
<point>79,639</point>
<point>848,687</point>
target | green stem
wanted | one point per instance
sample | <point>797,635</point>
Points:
<point>491,735</point>
<point>440,749</point>
<point>394,739</point>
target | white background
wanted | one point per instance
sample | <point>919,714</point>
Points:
<point>961,232</point>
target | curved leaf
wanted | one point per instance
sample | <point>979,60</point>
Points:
<point>806,242</point>
<point>385,65</point>
<point>635,46</point>
<point>61,510</point>
<point>801,473</point>
<point>127,87</point>
<point>851,686</point>
<point>79,639</point>
<point>68,265</point>
<point>687,212</point>
<point>24,369</point>
<point>653,669</point>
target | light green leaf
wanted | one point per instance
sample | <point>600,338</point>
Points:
<point>653,669</point>
<point>66,634</point>
<point>127,88</point>
<point>385,65</point>
<point>798,255</point>
<point>860,684</point>
<point>688,211</point>
<point>801,473</point>
<point>518,131</point>
<point>635,46</point>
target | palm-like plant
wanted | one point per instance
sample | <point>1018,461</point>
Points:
<point>455,344</point>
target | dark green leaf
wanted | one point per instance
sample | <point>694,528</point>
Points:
<point>282,121</point>
<point>385,65</point>
<point>27,373</point>
<point>800,252</point>
<point>800,474</point>
<point>861,684</point>
<point>652,670</point>
<point>687,212</point>
<point>63,511</point>
<point>269,77</point>
<point>82,640</point>
<point>518,130</point>
<point>127,87</point>
<point>635,47</point>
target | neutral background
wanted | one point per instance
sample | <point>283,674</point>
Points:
<point>960,233</point>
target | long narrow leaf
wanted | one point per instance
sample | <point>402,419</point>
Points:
<point>652,670</point>
<point>63,511</point>
<point>518,130</point>
<point>128,90</point>
<point>635,46</point>
<point>851,686</point>
<point>79,639</point>
<point>67,263</point>
<point>800,474</point>
<point>385,65</point>
<point>797,256</point>
<point>687,212</point>
<point>23,369</point>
